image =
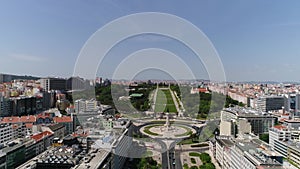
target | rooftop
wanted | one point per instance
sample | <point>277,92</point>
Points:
<point>63,119</point>
<point>226,142</point>
<point>61,155</point>
<point>16,119</point>
<point>40,136</point>
<point>55,127</point>
<point>94,159</point>
<point>258,153</point>
<point>280,127</point>
<point>246,112</point>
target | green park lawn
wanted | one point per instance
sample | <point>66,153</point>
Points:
<point>164,101</point>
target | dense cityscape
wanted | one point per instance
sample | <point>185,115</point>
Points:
<point>113,84</point>
<point>43,127</point>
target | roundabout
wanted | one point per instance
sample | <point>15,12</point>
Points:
<point>167,130</point>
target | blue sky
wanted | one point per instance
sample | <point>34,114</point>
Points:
<point>256,40</point>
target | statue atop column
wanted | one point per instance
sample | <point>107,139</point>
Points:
<point>167,125</point>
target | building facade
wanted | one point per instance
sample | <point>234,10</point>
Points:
<point>53,84</point>
<point>269,103</point>
<point>6,133</point>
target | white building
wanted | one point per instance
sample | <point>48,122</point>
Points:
<point>252,154</point>
<point>244,127</point>
<point>226,128</point>
<point>239,161</point>
<point>246,154</point>
<point>223,154</point>
<point>294,154</point>
<point>260,122</point>
<point>280,133</point>
<point>6,132</point>
<point>85,105</point>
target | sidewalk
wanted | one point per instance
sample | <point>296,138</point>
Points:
<point>186,159</point>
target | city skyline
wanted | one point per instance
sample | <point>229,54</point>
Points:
<point>254,44</point>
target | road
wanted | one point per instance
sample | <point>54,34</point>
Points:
<point>170,156</point>
<point>164,153</point>
<point>178,164</point>
<point>168,153</point>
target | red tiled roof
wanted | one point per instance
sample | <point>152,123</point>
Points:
<point>13,119</point>
<point>22,119</point>
<point>40,136</point>
<point>64,119</point>
<point>202,90</point>
<point>28,125</point>
<point>28,119</point>
<point>80,135</point>
<point>280,127</point>
<point>42,115</point>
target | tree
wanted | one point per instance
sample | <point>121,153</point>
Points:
<point>205,158</point>
<point>264,137</point>
<point>207,166</point>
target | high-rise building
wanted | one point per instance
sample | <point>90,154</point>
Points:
<point>7,133</point>
<point>268,103</point>
<point>5,106</point>
<point>23,106</point>
<point>246,154</point>
<point>243,127</point>
<point>53,84</point>
<point>227,128</point>
<point>85,105</point>
<point>223,155</point>
<point>49,99</point>
<point>277,136</point>
<point>293,154</point>
<point>292,102</point>
<point>260,122</point>
<point>75,83</point>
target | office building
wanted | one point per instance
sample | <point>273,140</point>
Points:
<point>43,140</point>
<point>15,152</point>
<point>23,106</point>
<point>280,133</point>
<point>293,154</point>
<point>243,127</point>
<point>83,105</point>
<point>246,154</point>
<point>278,137</point>
<point>269,103</point>
<point>75,83</point>
<point>53,84</point>
<point>5,106</point>
<point>227,128</point>
<point>6,133</point>
<point>223,155</point>
<point>260,122</point>
<point>292,102</point>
